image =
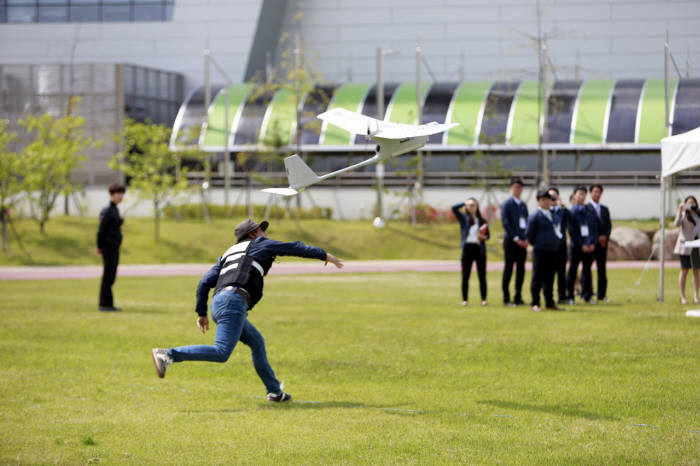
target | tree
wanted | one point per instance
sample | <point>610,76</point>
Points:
<point>57,148</point>
<point>147,160</point>
<point>10,177</point>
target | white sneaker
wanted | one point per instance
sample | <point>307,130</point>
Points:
<point>464,303</point>
<point>161,360</point>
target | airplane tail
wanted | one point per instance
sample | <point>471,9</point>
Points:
<point>299,173</point>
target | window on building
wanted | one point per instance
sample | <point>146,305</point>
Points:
<point>81,11</point>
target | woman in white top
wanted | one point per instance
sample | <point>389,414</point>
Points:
<point>474,231</point>
<point>687,218</point>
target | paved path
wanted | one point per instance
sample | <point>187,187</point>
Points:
<point>280,268</point>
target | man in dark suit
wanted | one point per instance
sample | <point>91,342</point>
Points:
<point>514,218</point>
<point>109,239</point>
<point>562,217</point>
<point>583,230</point>
<point>545,235</point>
<point>601,248</point>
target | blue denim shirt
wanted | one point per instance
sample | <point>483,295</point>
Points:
<point>264,251</point>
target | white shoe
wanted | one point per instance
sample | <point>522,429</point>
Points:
<point>464,303</point>
<point>161,360</point>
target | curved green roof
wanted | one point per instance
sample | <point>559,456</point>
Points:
<point>279,123</point>
<point>214,133</point>
<point>350,97</point>
<point>465,109</point>
<point>594,114</point>
<point>591,115</point>
<point>525,125</point>
<point>403,107</point>
<point>652,126</point>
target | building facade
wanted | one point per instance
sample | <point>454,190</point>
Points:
<point>460,39</point>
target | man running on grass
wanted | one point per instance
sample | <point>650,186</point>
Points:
<point>237,279</point>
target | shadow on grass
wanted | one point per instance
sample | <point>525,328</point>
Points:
<point>551,409</point>
<point>309,405</point>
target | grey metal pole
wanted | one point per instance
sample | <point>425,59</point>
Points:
<point>662,210</point>
<point>297,100</point>
<point>667,80</point>
<point>207,102</point>
<point>379,171</point>
<point>419,100</point>
<point>662,238</point>
<point>227,153</point>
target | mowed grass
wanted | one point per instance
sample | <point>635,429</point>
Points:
<point>384,369</point>
<point>71,240</point>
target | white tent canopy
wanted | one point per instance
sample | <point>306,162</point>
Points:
<point>678,153</point>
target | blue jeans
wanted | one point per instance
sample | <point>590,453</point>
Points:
<point>230,311</point>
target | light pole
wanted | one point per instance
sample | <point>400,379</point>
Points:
<point>379,172</point>
<point>419,102</point>
<point>208,60</point>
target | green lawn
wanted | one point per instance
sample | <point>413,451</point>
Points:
<point>384,369</point>
<point>71,240</point>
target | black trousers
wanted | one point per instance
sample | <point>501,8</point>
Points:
<point>601,259</point>
<point>544,264</point>
<point>560,271</point>
<point>577,257</point>
<point>110,261</point>
<point>472,253</point>
<point>514,255</point>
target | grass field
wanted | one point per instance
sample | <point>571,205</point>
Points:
<point>71,240</point>
<point>384,369</point>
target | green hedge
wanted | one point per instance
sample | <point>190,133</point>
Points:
<point>218,211</point>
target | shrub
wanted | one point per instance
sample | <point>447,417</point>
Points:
<point>219,211</point>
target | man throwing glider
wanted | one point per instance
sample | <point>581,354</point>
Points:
<point>237,279</point>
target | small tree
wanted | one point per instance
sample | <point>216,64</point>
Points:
<point>57,148</point>
<point>10,177</point>
<point>147,160</point>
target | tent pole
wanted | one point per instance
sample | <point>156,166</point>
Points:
<point>662,238</point>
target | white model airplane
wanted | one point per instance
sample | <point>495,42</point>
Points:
<point>392,139</point>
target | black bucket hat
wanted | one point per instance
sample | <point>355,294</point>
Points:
<point>246,226</point>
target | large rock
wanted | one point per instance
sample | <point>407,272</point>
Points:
<point>628,244</point>
<point>671,236</point>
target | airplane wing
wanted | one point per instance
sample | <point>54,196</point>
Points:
<point>389,130</point>
<point>281,191</point>
<point>357,123</point>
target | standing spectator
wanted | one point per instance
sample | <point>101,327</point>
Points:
<point>109,239</point>
<point>584,236</point>
<point>601,247</point>
<point>474,231</point>
<point>514,217</point>
<point>545,235</point>
<point>687,218</point>
<point>562,217</point>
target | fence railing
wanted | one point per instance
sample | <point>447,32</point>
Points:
<point>454,179</point>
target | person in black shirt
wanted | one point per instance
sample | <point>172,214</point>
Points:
<point>474,231</point>
<point>562,216</point>
<point>583,231</point>
<point>109,239</point>
<point>545,235</point>
<point>601,247</point>
<point>238,279</point>
<point>514,219</point>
